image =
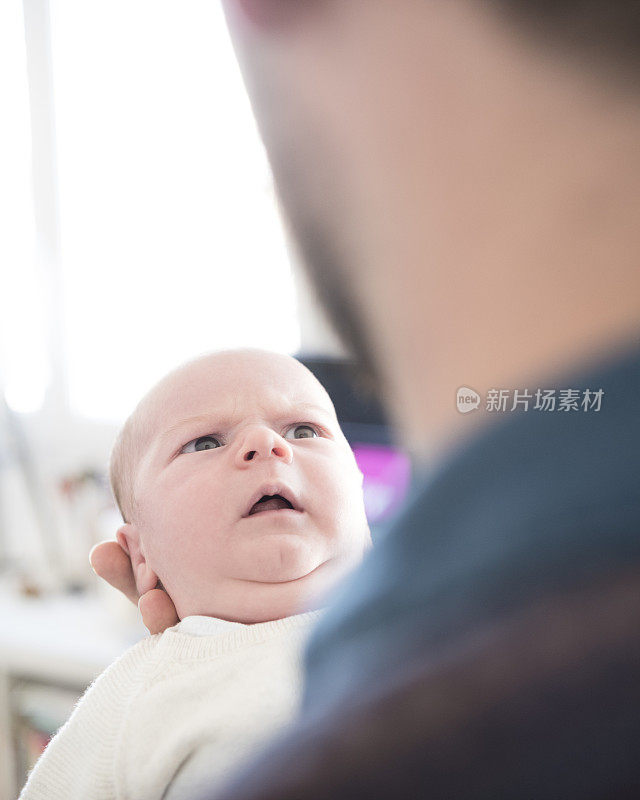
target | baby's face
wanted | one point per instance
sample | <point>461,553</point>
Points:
<point>248,497</point>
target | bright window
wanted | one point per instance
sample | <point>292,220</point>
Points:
<point>24,366</point>
<point>170,240</point>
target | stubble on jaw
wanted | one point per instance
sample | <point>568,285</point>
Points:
<point>306,197</point>
<point>334,287</point>
<point>314,187</point>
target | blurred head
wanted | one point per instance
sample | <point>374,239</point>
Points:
<point>448,166</point>
<point>239,491</point>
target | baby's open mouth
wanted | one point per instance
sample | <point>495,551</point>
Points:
<point>272,497</point>
<point>270,502</point>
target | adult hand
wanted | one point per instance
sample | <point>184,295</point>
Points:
<point>112,563</point>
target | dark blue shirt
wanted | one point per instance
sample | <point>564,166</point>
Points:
<point>540,502</point>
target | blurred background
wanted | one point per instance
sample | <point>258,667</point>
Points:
<point>138,229</point>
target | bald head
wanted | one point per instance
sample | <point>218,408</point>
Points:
<point>224,376</point>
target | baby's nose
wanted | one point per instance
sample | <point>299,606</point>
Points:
<point>261,442</point>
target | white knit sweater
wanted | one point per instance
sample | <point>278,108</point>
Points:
<point>185,706</point>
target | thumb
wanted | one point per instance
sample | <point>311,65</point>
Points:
<point>158,611</point>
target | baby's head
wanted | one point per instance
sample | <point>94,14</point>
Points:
<point>238,489</point>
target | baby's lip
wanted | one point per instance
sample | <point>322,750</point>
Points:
<point>271,489</point>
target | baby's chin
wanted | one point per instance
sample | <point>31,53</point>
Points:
<point>282,558</point>
<point>283,579</point>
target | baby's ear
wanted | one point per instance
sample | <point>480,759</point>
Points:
<point>128,537</point>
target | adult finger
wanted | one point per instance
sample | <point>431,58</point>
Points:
<point>158,611</point>
<point>110,562</point>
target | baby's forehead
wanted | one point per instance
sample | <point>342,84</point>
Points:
<point>235,388</point>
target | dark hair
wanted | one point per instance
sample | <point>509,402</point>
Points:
<point>607,30</point>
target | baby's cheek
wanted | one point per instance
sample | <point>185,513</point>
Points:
<point>338,495</point>
<point>180,531</point>
<point>345,479</point>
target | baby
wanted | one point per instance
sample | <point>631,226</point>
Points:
<point>241,496</point>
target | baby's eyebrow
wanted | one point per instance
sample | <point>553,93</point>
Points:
<point>222,421</point>
<point>186,423</point>
<point>311,407</point>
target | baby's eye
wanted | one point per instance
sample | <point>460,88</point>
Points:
<point>201,443</point>
<point>300,432</point>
